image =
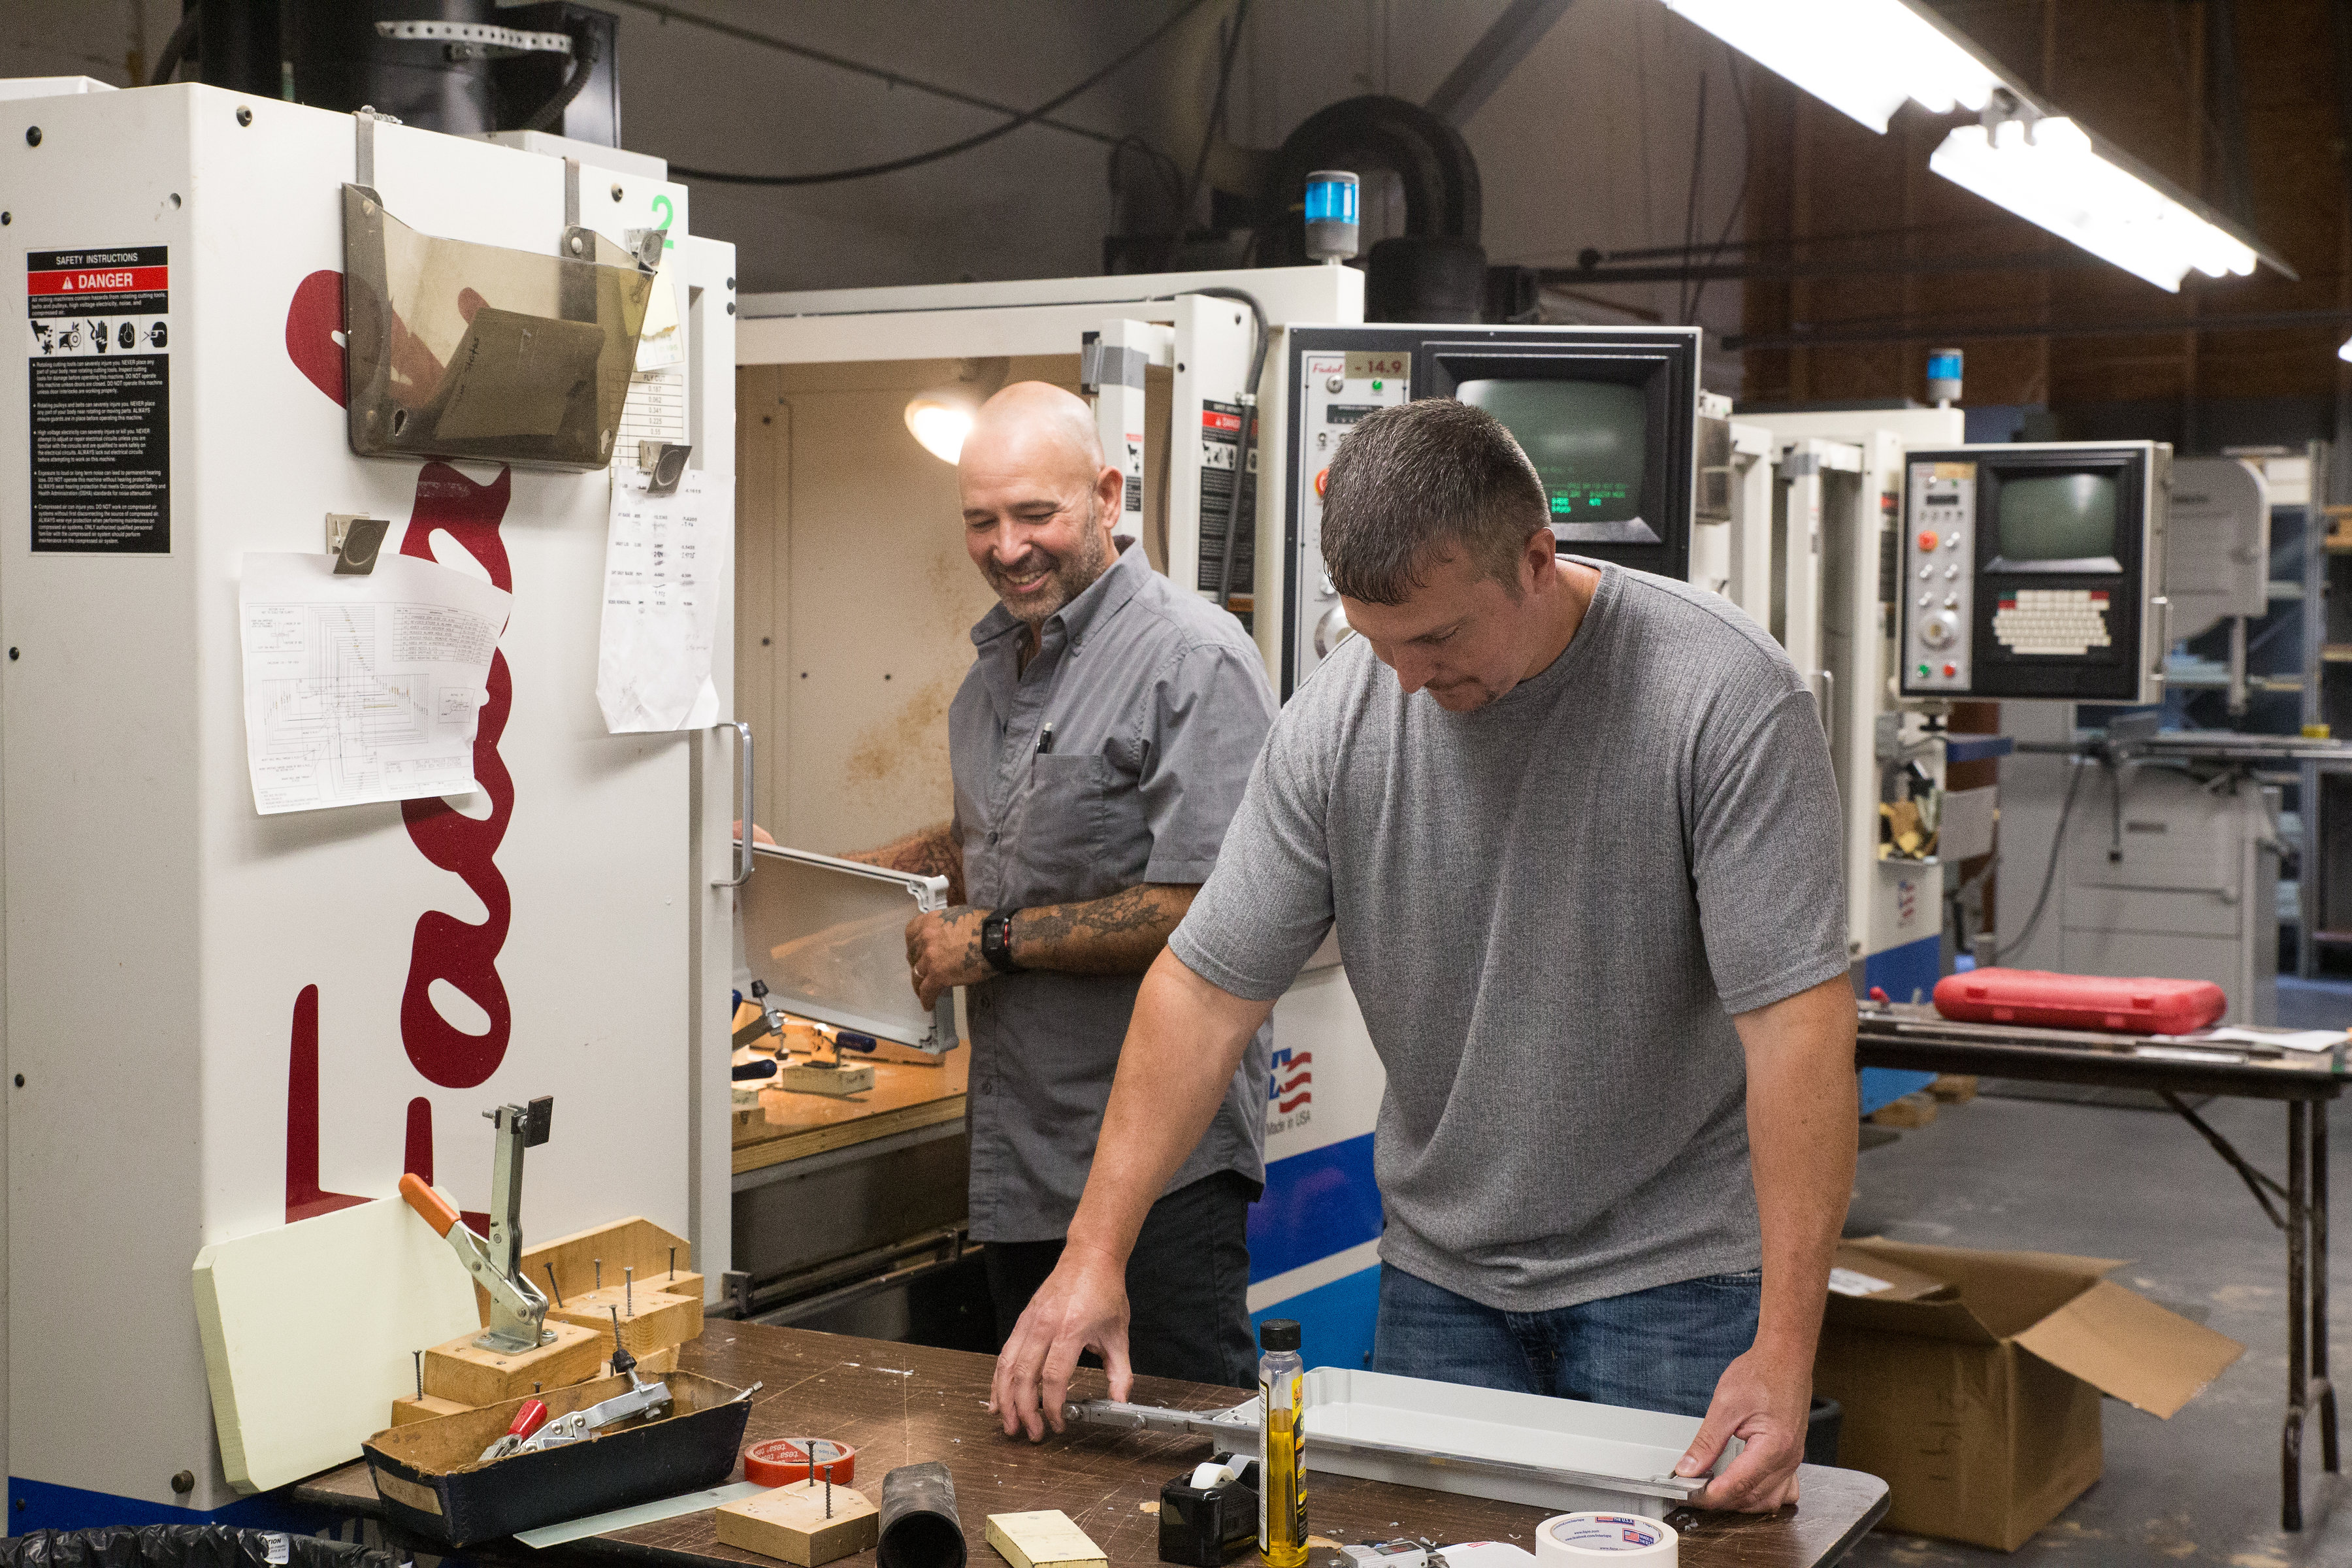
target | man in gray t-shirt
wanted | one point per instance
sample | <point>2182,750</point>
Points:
<point>1581,851</point>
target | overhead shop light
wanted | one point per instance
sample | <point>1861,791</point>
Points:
<point>2344,349</point>
<point>941,418</point>
<point>1862,57</point>
<point>2050,171</point>
<point>1867,58</point>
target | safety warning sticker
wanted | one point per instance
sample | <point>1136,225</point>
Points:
<point>1221,430</point>
<point>102,405</point>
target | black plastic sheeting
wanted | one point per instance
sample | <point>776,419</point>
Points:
<point>185,1546</point>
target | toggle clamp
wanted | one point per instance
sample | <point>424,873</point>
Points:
<point>517,1310</point>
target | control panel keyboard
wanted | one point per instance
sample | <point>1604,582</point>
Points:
<point>2051,620</point>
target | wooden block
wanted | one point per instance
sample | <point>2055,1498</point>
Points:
<point>653,1363</point>
<point>791,1523</point>
<point>661,1319</point>
<point>425,1408</point>
<point>464,1372</point>
<point>1050,1538</point>
<point>1954,1088</point>
<point>1911,1110</point>
<point>801,1079</point>
<point>625,1243</point>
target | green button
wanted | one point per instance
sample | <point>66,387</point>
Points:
<point>1923,669</point>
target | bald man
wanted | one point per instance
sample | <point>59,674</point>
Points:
<point>1100,746</point>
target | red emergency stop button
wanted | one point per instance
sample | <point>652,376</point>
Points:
<point>1950,670</point>
<point>1322,481</point>
<point>1927,539</point>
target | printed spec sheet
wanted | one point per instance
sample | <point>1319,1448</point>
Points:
<point>668,563</point>
<point>364,688</point>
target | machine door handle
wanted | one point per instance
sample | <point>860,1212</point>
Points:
<point>743,778</point>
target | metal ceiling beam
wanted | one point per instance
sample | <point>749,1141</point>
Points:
<point>1862,267</point>
<point>1948,332</point>
<point>1494,56</point>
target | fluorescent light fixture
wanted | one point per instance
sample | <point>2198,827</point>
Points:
<point>2049,172</point>
<point>940,418</point>
<point>1864,58</point>
<point>2344,351</point>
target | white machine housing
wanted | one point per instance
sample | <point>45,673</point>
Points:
<point>1814,499</point>
<point>259,1023</point>
<point>2216,543</point>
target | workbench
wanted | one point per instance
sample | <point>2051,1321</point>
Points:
<point>837,1197</point>
<point>1918,1037</point>
<point>899,1404</point>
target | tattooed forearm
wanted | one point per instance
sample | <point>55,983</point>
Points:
<point>1120,935</point>
<point>933,851</point>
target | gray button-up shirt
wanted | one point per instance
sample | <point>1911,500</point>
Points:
<point>1158,703</point>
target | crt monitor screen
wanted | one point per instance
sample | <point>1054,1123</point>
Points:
<point>2048,518</point>
<point>1588,439</point>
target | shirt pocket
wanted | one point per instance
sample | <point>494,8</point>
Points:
<point>1060,855</point>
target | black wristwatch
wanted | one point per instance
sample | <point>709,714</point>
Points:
<point>996,940</point>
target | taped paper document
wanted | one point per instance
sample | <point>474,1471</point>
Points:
<point>362,688</point>
<point>668,565</point>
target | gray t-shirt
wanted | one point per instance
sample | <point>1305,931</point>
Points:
<point>1158,702</point>
<point>1549,909</point>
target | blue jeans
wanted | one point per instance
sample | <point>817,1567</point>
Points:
<point>1660,1349</point>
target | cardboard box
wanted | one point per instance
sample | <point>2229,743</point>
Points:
<point>1971,1380</point>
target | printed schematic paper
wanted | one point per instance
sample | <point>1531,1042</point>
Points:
<point>668,567</point>
<point>363,688</point>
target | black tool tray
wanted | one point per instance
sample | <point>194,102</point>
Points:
<point>431,1476</point>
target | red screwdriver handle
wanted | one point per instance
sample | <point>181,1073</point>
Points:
<point>429,1204</point>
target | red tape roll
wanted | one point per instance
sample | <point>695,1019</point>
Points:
<point>780,1461</point>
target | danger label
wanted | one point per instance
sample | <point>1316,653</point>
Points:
<point>1221,446</point>
<point>100,458</point>
<point>133,281</point>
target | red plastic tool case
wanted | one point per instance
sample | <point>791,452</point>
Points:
<point>2144,1006</point>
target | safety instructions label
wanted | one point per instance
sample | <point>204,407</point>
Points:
<point>1220,442</point>
<point>100,462</point>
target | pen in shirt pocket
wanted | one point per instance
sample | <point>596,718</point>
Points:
<point>1045,738</point>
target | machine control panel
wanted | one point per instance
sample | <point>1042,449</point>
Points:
<point>1337,388</point>
<point>1938,579</point>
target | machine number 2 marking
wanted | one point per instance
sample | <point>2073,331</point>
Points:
<point>664,218</point>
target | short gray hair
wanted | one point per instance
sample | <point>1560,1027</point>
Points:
<point>1427,480</point>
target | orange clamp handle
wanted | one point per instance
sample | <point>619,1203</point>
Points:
<point>529,1419</point>
<point>429,1204</point>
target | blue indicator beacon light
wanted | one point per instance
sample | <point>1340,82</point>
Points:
<point>1332,215</point>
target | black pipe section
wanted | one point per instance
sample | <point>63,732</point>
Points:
<point>918,1523</point>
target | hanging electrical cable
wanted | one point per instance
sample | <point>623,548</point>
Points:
<point>2050,872</point>
<point>1026,117</point>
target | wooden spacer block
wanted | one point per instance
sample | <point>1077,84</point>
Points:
<point>633,1242</point>
<point>1913,1110</point>
<point>661,1318</point>
<point>801,1079</point>
<point>1049,1538</point>
<point>1954,1088</point>
<point>465,1372</point>
<point>790,1522</point>
<point>404,1411</point>
<point>653,1363</point>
